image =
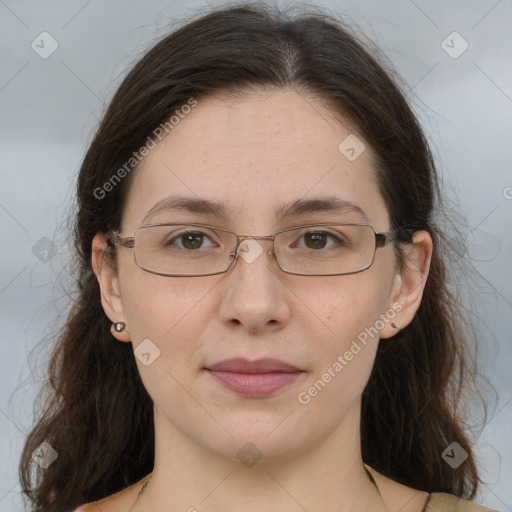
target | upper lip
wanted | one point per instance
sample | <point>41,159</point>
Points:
<point>266,365</point>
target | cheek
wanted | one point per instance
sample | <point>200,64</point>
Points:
<point>167,318</point>
<point>344,358</point>
<point>350,308</point>
<point>352,303</point>
<point>171,312</point>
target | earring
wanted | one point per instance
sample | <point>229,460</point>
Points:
<point>394,325</point>
<point>119,326</point>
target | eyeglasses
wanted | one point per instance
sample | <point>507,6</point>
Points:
<point>189,250</point>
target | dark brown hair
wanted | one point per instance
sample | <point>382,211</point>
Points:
<point>97,414</point>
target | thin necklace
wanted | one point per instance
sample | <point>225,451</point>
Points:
<point>144,485</point>
<point>370,476</point>
<point>372,480</point>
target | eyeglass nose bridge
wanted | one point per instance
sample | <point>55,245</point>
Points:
<point>242,238</point>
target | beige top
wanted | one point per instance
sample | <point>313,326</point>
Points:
<point>442,502</point>
<point>437,502</point>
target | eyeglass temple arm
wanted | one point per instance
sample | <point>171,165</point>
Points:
<point>117,239</point>
<point>390,236</point>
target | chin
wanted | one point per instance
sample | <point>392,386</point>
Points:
<point>264,440</point>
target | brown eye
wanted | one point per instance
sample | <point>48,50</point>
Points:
<point>315,240</point>
<point>318,240</point>
<point>190,240</point>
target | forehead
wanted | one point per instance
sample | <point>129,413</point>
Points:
<point>257,155</point>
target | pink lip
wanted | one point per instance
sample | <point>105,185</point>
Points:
<point>255,379</point>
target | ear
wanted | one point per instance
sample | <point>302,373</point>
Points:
<point>409,284</point>
<point>108,280</point>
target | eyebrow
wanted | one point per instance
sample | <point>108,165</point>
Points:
<point>330,204</point>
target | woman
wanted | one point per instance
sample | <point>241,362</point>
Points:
<point>263,321</point>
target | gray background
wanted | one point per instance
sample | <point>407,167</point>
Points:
<point>49,108</point>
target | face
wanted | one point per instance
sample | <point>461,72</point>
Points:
<point>256,156</point>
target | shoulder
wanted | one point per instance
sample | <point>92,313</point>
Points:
<point>110,504</point>
<point>119,502</point>
<point>443,502</point>
<point>407,499</point>
<point>89,507</point>
<point>97,506</point>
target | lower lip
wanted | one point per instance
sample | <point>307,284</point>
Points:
<point>255,385</point>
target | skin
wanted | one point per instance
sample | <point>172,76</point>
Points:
<point>255,154</point>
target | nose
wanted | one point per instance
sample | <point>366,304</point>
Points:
<point>254,296</point>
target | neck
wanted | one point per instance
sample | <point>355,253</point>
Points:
<point>328,476</point>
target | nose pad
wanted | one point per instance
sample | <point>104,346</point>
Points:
<point>250,249</point>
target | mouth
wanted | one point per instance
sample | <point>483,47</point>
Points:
<point>254,379</point>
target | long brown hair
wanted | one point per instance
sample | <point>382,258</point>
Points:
<point>97,414</point>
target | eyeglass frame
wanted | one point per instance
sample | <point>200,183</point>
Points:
<point>381,240</point>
